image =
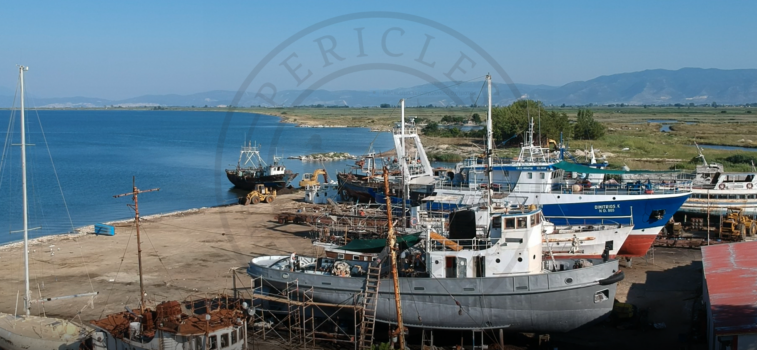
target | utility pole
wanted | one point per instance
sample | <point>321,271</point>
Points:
<point>134,193</point>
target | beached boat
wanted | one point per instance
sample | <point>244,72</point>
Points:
<point>499,281</point>
<point>24,332</point>
<point>715,190</point>
<point>169,327</point>
<point>585,241</point>
<point>252,170</point>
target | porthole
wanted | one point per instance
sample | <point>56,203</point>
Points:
<point>613,198</point>
<point>534,256</point>
<point>520,259</point>
<point>497,260</point>
<point>436,262</point>
<point>286,275</point>
<point>568,280</point>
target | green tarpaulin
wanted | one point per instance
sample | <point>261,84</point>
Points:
<point>377,245</point>
<point>578,168</point>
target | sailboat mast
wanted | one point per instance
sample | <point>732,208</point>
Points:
<point>489,146</point>
<point>134,193</point>
<point>27,292</point>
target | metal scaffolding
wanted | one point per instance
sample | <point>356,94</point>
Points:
<point>293,318</point>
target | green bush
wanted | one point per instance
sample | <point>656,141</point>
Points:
<point>586,127</point>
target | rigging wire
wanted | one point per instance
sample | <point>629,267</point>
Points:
<point>110,290</point>
<point>158,255</point>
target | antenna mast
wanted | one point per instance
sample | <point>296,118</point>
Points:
<point>134,193</point>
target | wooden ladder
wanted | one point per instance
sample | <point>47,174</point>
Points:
<point>370,300</point>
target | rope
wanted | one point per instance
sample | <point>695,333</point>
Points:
<point>158,255</point>
<point>110,290</point>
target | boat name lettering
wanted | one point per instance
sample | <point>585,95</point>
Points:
<point>607,208</point>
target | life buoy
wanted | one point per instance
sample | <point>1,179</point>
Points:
<point>722,186</point>
<point>749,186</point>
<point>414,221</point>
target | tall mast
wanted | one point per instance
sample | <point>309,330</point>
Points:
<point>489,147</point>
<point>405,176</point>
<point>27,292</point>
<point>135,191</point>
<point>390,241</point>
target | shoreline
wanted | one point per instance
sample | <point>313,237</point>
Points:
<point>86,230</point>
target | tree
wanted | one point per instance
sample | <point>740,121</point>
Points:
<point>430,128</point>
<point>586,127</point>
<point>458,120</point>
<point>385,105</point>
<point>476,118</point>
<point>714,105</point>
<point>513,120</point>
<point>447,119</point>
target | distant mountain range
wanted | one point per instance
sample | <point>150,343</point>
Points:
<point>657,86</point>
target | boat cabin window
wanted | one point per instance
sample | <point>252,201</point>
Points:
<point>340,256</point>
<point>356,257</point>
<point>234,337</point>
<point>496,221</point>
<point>533,220</point>
<point>521,222</point>
<point>213,342</point>
<point>541,176</point>
<point>198,343</point>
<point>509,223</point>
<point>530,176</point>
<point>224,340</point>
<point>241,333</point>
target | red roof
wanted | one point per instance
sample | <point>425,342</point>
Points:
<point>730,271</point>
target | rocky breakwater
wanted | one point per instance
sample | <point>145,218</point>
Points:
<point>324,157</point>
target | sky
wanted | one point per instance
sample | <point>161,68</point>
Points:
<point>118,50</point>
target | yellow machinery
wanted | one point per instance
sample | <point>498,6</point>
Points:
<point>259,194</point>
<point>312,179</point>
<point>736,225</point>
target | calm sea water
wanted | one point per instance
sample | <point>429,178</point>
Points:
<point>96,153</point>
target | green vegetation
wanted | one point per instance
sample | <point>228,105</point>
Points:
<point>444,157</point>
<point>586,127</point>
<point>510,122</point>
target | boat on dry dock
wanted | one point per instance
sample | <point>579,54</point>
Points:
<point>252,170</point>
<point>715,190</point>
<point>468,282</point>
<point>170,327</point>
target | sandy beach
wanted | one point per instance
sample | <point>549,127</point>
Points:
<point>185,253</point>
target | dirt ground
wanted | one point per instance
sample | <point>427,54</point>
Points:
<point>192,253</point>
<point>182,254</point>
